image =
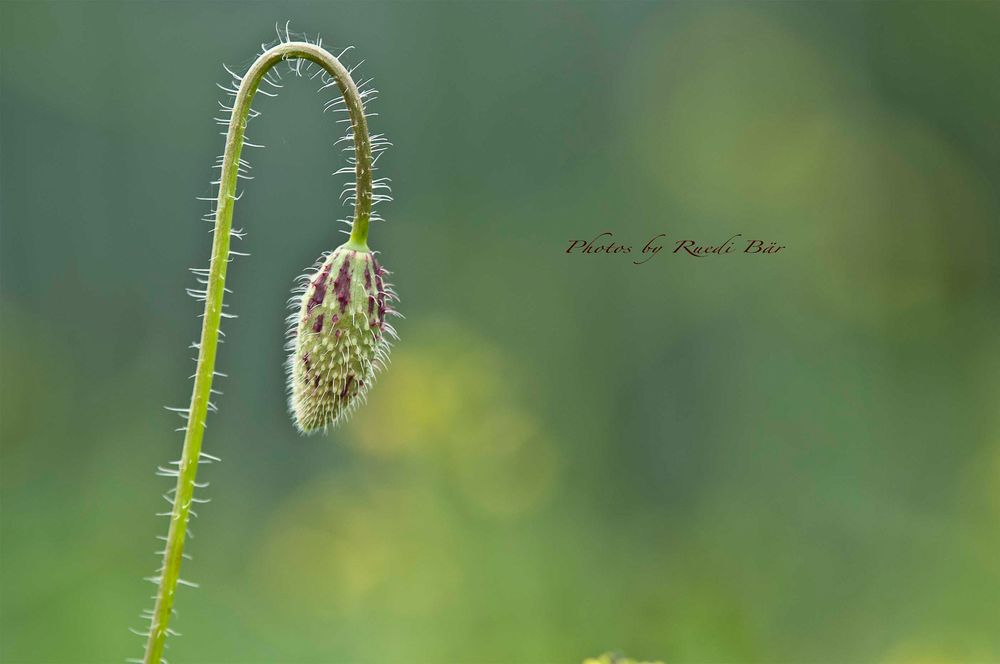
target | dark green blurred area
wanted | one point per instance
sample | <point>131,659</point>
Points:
<point>789,458</point>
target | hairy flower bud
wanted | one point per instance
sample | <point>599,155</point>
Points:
<point>338,336</point>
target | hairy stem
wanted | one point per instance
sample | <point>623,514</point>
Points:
<point>188,467</point>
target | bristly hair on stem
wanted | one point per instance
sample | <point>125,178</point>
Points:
<point>304,58</point>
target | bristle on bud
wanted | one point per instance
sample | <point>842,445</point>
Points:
<point>339,337</point>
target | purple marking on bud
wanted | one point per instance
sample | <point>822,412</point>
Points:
<point>319,292</point>
<point>371,304</point>
<point>318,324</point>
<point>347,385</point>
<point>368,274</point>
<point>342,284</point>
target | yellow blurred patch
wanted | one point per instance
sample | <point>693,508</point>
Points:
<point>454,402</point>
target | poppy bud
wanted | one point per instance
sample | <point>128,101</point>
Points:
<point>338,336</point>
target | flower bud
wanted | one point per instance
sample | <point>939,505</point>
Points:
<point>338,337</point>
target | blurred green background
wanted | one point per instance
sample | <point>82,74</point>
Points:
<point>791,458</point>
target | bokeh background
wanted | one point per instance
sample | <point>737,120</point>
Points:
<point>791,458</point>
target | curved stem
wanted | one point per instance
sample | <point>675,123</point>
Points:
<point>187,470</point>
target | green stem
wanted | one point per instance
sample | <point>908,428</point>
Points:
<point>188,468</point>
